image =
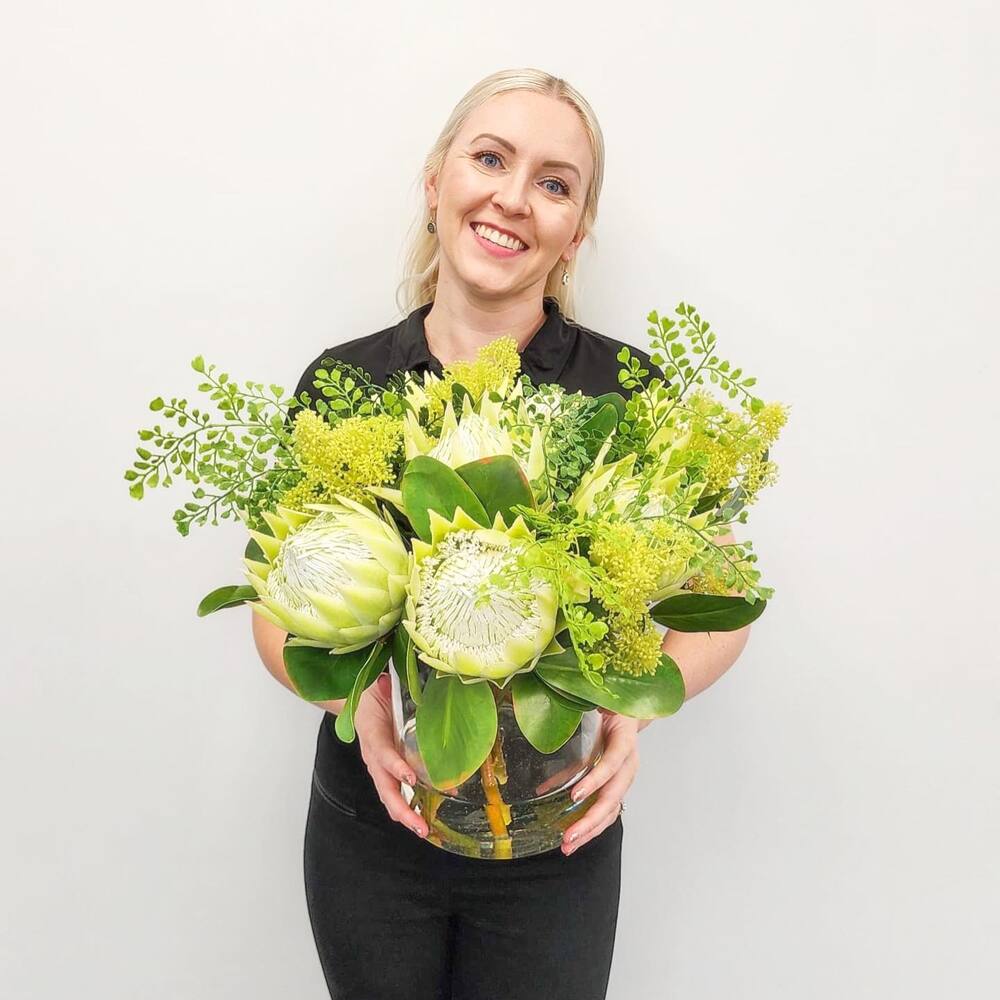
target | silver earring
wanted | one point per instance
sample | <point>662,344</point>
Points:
<point>565,277</point>
<point>431,228</point>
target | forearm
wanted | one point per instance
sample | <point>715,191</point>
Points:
<point>702,657</point>
<point>270,641</point>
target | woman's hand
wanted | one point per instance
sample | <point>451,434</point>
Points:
<point>376,737</point>
<point>610,778</point>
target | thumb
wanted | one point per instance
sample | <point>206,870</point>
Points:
<point>383,684</point>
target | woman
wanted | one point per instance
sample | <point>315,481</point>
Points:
<point>511,187</point>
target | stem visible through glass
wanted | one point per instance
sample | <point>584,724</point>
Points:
<point>492,773</point>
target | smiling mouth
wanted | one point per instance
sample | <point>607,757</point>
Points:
<point>498,238</point>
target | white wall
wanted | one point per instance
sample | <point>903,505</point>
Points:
<point>235,180</point>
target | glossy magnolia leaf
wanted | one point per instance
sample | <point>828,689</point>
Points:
<point>253,551</point>
<point>456,728</point>
<point>499,483</point>
<point>318,674</point>
<point>602,423</point>
<point>377,659</point>
<point>706,612</point>
<point>546,723</point>
<point>404,661</point>
<point>616,399</point>
<point>230,596</point>
<point>650,696</point>
<point>567,700</point>
<point>399,637</point>
<point>430,485</point>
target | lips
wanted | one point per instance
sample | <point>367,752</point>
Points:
<point>499,229</point>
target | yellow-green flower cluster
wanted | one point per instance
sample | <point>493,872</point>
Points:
<point>343,459</point>
<point>632,645</point>
<point>734,445</point>
<point>633,559</point>
<point>495,368</point>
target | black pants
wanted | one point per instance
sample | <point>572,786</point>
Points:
<point>396,917</point>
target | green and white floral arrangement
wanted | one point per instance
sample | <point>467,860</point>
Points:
<point>497,532</point>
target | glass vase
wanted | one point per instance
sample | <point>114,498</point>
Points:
<point>518,803</point>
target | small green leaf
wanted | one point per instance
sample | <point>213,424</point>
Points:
<point>198,364</point>
<point>136,490</point>
<point>157,404</point>
<point>706,612</point>
<point>230,596</point>
<point>377,659</point>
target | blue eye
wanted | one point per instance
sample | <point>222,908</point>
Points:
<point>564,188</point>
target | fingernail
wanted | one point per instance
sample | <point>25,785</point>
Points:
<point>577,794</point>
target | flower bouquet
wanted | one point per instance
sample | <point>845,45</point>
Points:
<point>514,549</point>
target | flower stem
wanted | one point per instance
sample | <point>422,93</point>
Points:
<point>492,771</point>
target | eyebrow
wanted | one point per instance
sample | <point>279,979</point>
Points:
<point>547,163</point>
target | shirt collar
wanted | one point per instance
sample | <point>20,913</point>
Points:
<point>542,360</point>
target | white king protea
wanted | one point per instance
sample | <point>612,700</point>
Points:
<point>480,432</point>
<point>337,576</point>
<point>460,621</point>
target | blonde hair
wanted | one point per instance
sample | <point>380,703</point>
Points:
<point>421,249</point>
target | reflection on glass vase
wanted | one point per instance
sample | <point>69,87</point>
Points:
<point>519,802</point>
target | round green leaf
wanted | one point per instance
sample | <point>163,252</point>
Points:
<point>319,674</point>
<point>546,723</point>
<point>499,483</point>
<point>431,485</point>
<point>456,728</point>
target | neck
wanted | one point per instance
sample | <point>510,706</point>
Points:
<point>457,326</point>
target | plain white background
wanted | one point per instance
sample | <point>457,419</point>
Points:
<point>235,180</point>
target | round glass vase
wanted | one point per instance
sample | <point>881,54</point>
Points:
<point>519,801</point>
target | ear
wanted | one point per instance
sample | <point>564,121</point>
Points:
<point>430,192</point>
<point>574,245</point>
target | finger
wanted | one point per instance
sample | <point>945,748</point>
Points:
<point>387,787</point>
<point>617,752</point>
<point>389,760</point>
<point>595,831</point>
<point>605,809</point>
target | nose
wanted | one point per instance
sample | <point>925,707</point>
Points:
<point>511,194</point>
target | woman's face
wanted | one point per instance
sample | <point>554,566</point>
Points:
<point>520,165</point>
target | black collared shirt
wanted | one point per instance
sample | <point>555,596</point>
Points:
<point>560,352</point>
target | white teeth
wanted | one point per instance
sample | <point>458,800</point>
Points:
<point>499,238</point>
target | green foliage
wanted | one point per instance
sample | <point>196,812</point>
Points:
<point>430,485</point>
<point>320,674</point>
<point>244,457</point>
<point>650,696</point>
<point>542,716</point>
<point>706,613</point>
<point>231,596</point>
<point>456,728</point>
